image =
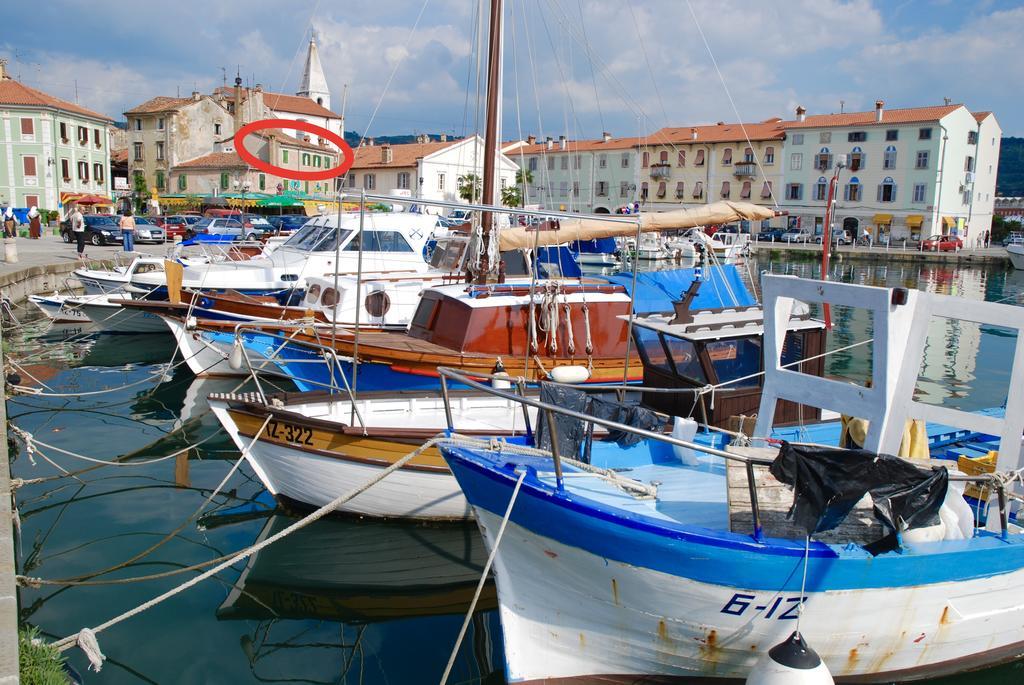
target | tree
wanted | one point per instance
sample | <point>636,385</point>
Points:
<point>511,196</point>
<point>470,187</point>
<point>140,194</point>
<point>524,177</point>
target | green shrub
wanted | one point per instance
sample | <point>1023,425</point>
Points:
<point>39,663</point>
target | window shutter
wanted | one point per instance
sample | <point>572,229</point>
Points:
<point>893,198</point>
<point>879,197</point>
<point>29,165</point>
<point>27,127</point>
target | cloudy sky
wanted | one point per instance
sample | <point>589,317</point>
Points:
<point>573,67</point>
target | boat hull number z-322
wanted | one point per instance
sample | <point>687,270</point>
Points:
<point>288,432</point>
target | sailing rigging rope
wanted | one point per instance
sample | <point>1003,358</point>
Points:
<point>483,577</point>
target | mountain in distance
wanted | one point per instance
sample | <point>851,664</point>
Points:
<point>1010,180</point>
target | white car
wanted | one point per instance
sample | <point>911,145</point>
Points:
<point>233,227</point>
<point>796,237</point>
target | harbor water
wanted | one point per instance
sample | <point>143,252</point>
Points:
<point>344,600</point>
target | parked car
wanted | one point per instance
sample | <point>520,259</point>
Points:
<point>100,229</point>
<point>796,236</point>
<point>288,222</point>
<point>146,230</point>
<point>943,243</point>
<point>1015,238</point>
<point>772,234</point>
<point>179,225</point>
<point>839,238</point>
<point>232,227</point>
<point>460,215</point>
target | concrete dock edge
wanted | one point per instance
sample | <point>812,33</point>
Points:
<point>8,589</point>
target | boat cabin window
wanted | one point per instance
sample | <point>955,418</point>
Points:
<point>652,352</point>
<point>313,293</point>
<point>447,255</point>
<point>320,238</point>
<point>734,359</point>
<point>793,348</point>
<point>149,268</point>
<point>423,319</point>
<point>330,297</point>
<point>380,241</point>
<point>685,359</point>
<point>302,233</point>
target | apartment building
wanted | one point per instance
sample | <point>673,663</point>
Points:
<point>910,173</point>
<point>51,150</point>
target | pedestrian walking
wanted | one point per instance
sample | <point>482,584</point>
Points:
<point>127,225</point>
<point>35,224</point>
<point>10,224</point>
<point>77,222</point>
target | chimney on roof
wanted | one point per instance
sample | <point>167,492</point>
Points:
<point>238,103</point>
<point>801,113</point>
<point>259,88</point>
<point>3,68</point>
<point>606,136</point>
<point>195,95</point>
<point>879,104</point>
<point>385,154</point>
<point>548,143</point>
<point>444,137</point>
<point>693,134</point>
<point>531,140</point>
<point>370,142</point>
<point>561,142</point>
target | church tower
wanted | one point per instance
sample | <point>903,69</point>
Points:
<point>314,83</point>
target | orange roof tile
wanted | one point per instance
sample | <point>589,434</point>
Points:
<point>772,129</point>
<point>159,104</point>
<point>910,115</point>
<point>404,155</point>
<point>981,116</point>
<point>119,156</point>
<point>214,160</point>
<point>16,93</point>
<point>595,145</point>
<point>296,104</point>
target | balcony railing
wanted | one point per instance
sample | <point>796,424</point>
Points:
<point>660,170</point>
<point>745,169</point>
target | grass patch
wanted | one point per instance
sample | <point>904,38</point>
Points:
<point>38,662</point>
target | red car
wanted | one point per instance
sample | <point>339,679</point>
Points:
<point>943,243</point>
<point>179,224</point>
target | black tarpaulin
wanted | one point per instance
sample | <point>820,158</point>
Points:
<point>828,482</point>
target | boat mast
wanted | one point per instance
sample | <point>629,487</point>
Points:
<point>492,107</point>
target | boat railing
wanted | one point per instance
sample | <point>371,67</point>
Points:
<point>548,411</point>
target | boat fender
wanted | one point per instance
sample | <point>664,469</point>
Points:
<point>684,429</point>
<point>191,323</point>
<point>235,360</point>
<point>570,374</point>
<point>791,662</point>
<point>501,379</point>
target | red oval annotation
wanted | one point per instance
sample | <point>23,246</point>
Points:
<point>348,157</point>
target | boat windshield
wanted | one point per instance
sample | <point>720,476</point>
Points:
<point>317,238</point>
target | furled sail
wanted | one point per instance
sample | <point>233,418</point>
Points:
<point>590,229</point>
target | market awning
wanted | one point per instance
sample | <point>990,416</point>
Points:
<point>915,221</point>
<point>949,221</point>
<point>280,201</point>
<point>882,219</point>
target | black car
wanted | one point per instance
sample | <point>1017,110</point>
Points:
<point>288,222</point>
<point>100,229</point>
<point>771,235</point>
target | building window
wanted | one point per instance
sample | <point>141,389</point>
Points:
<point>63,132</point>
<point>798,139</point>
<point>662,189</point>
<point>83,172</point>
<point>823,160</point>
<point>216,129</point>
<point>96,138</point>
<point>625,160</point>
<point>748,155</point>
<point>766,190</point>
<point>97,172</point>
<point>887,190</point>
<point>601,189</point>
<point>28,165</point>
<point>305,159</point>
<point>159,150</point>
<point>889,160</point>
<point>440,180</point>
<point>138,124</point>
<point>160,124</point>
<point>83,135</point>
<point>796,161</point>
<point>575,188</point>
<point>727,156</point>
<point>262,182</point>
<point>852,193</point>
<point>531,163</point>
<point>698,190</point>
<point>159,180</point>
<point>745,191</point>
<point>681,158</point>
<point>65,170</point>
<point>646,159</point>
<point>623,188</point>
<point>725,189</point>
<point>284,156</point>
<point>551,163</point>
<point>182,182</point>
<point>225,183</point>
<point>892,134</point>
<point>370,181</point>
<point>602,161</point>
<point>680,189</point>
<point>821,189</point>
<point>769,155</point>
<point>351,180</point>
<point>663,157</point>
<point>969,163</point>
<point>924,134</point>
<point>972,137</point>
<point>576,161</point>
<point>564,162</point>
<point>856,136</point>
<point>919,192</point>
<point>563,189</point>
<point>856,159</point>
<point>317,161</point>
<point>137,152</point>
<point>403,180</point>
<point>28,128</point>
<point>825,137</point>
<point>32,201</point>
<point>643,190</point>
<point>699,160</point>
<point>922,160</point>
<point>795,191</point>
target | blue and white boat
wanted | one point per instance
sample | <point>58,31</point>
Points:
<point>703,577</point>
